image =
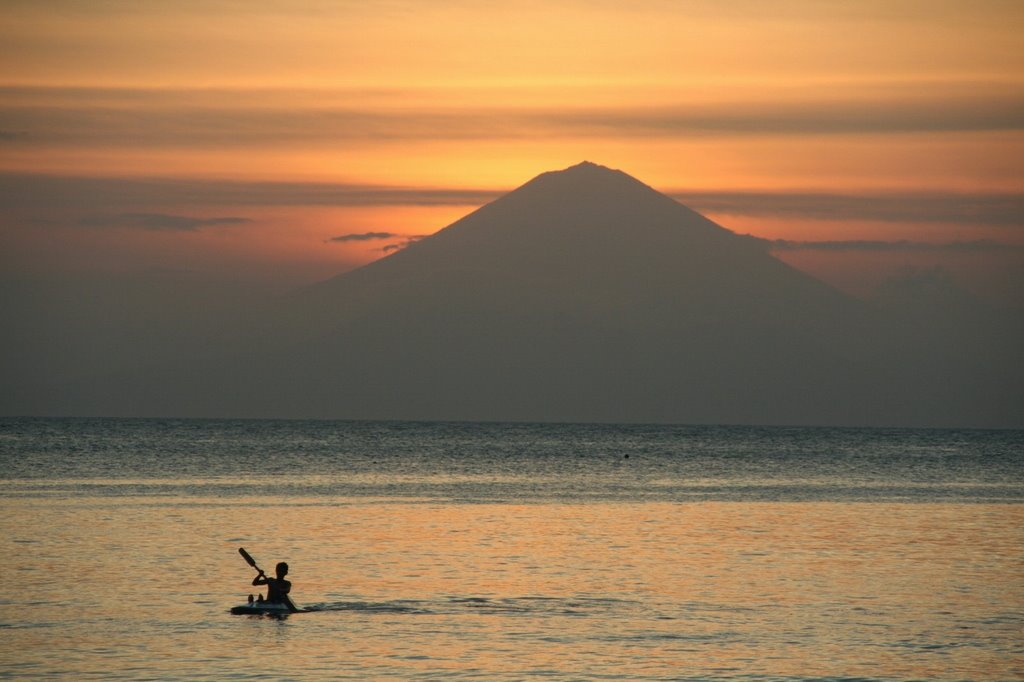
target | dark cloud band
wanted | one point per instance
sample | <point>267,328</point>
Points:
<point>876,246</point>
<point>133,196</point>
<point>183,119</point>
<point>158,221</point>
<point>31,191</point>
<point>364,237</point>
<point>989,208</point>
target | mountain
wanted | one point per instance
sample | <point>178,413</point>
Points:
<point>583,295</point>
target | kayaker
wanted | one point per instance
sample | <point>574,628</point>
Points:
<point>277,588</point>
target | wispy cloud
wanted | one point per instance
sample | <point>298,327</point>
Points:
<point>988,208</point>
<point>33,191</point>
<point>364,237</point>
<point>978,246</point>
<point>211,119</point>
<point>158,221</point>
<point>411,239</point>
<point>953,114</point>
<point>39,192</point>
<point>402,240</point>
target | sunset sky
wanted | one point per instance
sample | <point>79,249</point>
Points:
<point>284,142</point>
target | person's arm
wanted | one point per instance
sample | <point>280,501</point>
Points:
<point>260,579</point>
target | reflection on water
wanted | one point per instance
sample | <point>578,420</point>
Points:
<point>511,551</point>
<point>649,590</point>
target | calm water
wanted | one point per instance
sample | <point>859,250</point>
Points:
<point>486,551</point>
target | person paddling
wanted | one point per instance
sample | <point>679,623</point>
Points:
<point>277,588</point>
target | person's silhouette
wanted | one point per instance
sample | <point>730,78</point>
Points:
<point>277,588</point>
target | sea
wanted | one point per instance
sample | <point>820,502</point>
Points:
<point>491,551</point>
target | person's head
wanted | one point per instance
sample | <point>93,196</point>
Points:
<point>282,569</point>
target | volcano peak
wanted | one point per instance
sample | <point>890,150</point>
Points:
<point>587,170</point>
<point>588,166</point>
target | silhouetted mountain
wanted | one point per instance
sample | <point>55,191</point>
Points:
<point>583,295</point>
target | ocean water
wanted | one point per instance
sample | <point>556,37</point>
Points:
<point>511,551</point>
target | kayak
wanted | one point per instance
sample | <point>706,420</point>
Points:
<point>261,608</point>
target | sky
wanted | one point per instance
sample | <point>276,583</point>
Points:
<point>280,143</point>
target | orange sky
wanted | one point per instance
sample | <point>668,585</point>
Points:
<point>265,106</point>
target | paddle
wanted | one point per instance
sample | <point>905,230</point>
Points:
<point>252,562</point>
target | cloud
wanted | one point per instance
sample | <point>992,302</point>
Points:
<point>158,221</point>
<point>411,239</point>
<point>975,246</point>
<point>405,239</point>
<point>32,191</point>
<point>364,237</point>
<point>827,117</point>
<point>35,191</point>
<point>982,208</point>
<point>83,117</point>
